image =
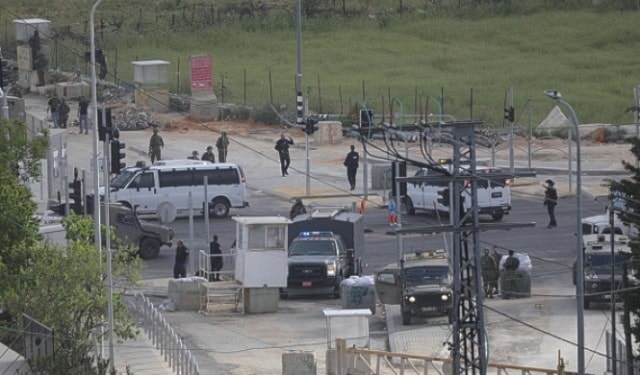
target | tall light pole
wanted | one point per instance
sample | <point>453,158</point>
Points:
<point>96,179</point>
<point>300,103</point>
<point>555,95</point>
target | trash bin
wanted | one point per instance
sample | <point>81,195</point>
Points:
<point>516,284</point>
<point>358,293</point>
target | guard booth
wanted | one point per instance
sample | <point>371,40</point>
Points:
<point>261,260</point>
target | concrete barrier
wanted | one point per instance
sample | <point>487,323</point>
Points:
<point>185,293</point>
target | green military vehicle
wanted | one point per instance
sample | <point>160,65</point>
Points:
<point>147,236</point>
<point>130,231</point>
<point>421,285</point>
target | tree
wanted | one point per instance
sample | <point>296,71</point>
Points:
<point>72,282</point>
<point>66,288</point>
<point>18,154</point>
<point>629,191</point>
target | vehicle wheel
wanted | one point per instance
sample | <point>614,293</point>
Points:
<point>149,248</point>
<point>406,318</point>
<point>497,216</point>
<point>126,204</point>
<point>283,294</point>
<point>586,303</point>
<point>411,210</point>
<point>450,313</point>
<point>219,208</point>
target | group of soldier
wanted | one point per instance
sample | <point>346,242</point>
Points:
<point>491,272</point>
<point>156,144</point>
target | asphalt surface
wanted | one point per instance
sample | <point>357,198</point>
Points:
<point>227,342</point>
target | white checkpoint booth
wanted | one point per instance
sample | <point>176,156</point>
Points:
<point>261,251</point>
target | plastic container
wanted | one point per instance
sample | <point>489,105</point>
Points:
<point>358,293</point>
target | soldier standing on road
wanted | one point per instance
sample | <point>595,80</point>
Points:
<point>551,200</point>
<point>156,143</point>
<point>63,113</point>
<point>351,162</point>
<point>490,274</point>
<point>511,264</point>
<point>83,115</point>
<point>215,256</point>
<point>208,155</point>
<point>182,257</point>
<point>52,106</point>
<point>282,146</point>
<point>222,144</point>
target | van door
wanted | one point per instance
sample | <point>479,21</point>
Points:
<point>142,193</point>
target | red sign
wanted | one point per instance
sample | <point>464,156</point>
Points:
<point>201,73</point>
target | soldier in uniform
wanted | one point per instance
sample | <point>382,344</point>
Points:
<point>155,146</point>
<point>490,274</point>
<point>222,144</point>
<point>297,209</point>
<point>208,155</point>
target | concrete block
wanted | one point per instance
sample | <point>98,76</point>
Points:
<point>261,300</point>
<point>204,107</point>
<point>185,293</point>
<point>299,363</point>
<point>25,58</point>
<point>72,90</point>
<point>381,176</point>
<point>329,132</point>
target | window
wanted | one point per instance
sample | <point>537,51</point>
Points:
<point>385,278</point>
<point>175,178</point>
<point>218,176</point>
<point>144,180</point>
<point>275,237</point>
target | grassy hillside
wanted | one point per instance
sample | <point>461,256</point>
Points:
<point>472,57</point>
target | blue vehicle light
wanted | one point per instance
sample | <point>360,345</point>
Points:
<point>316,234</point>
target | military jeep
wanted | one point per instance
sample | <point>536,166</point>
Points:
<point>421,285</point>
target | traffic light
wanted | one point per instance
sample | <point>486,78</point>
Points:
<point>509,114</point>
<point>102,127</point>
<point>116,157</point>
<point>311,126</point>
<point>444,197</point>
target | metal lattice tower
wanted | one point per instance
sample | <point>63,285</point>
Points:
<point>469,342</point>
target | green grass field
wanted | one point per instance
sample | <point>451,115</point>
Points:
<point>473,57</point>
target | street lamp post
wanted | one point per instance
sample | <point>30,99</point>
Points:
<point>96,179</point>
<point>555,95</point>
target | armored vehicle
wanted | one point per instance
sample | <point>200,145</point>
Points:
<point>598,267</point>
<point>421,285</point>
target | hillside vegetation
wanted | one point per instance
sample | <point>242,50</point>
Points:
<point>370,52</point>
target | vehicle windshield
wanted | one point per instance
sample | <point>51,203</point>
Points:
<point>601,263</point>
<point>122,179</point>
<point>312,248</point>
<point>427,273</point>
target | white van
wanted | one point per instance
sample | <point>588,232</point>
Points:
<point>165,187</point>
<point>494,194</point>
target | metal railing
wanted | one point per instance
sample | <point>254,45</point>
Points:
<point>165,339</point>
<point>204,264</point>
<point>368,361</point>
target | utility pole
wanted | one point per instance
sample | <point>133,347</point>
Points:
<point>469,343</point>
